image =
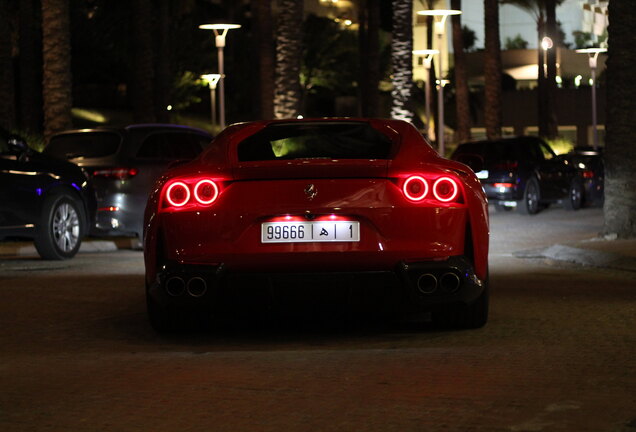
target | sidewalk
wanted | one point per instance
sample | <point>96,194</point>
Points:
<point>89,245</point>
<point>599,252</point>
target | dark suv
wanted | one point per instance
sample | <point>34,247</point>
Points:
<point>523,173</point>
<point>124,164</point>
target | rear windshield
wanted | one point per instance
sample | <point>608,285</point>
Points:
<point>83,145</point>
<point>351,140</point>
<point>489,152</point>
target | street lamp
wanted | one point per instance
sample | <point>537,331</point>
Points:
<point>427,55</point>
<point>220,31</point>
<point>212,80</point>
<point>440,15</point>
<point>592,54</point>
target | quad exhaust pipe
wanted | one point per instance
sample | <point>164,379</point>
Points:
<point>195,286</point>
<point>428,283</point>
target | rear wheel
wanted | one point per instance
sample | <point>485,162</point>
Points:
<point>574,200</point>
<point>60,230</point>
<point>531,196</point>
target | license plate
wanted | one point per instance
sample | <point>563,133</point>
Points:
<point>304,232</point>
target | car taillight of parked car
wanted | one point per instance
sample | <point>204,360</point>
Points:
<point>116,173</point>
<point>443,189</point>
<point>191,194</point>
<point>588,174</point>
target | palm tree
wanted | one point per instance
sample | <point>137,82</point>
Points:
<point>30,67</point>
<point>462,95</point>
<point>262,19</point>
<point>287,96</point>
<point>143,72</point>
<point>492,70</point>
<point>620,150</point>
<point>402,60</point>
<point>57,80</point>
<point>7,91</point>
<point>544,13</point>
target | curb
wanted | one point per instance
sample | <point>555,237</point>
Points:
<point>584,257</point>
<point>23,248</point>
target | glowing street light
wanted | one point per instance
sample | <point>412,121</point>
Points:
<point>220,31</point>
<point>212,80</point>
<point>427,55</point>
<point>440,16</point>
<point>593,57</point>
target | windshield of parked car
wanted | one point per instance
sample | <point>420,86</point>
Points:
<point>83,145</point>
<point>342,140</point>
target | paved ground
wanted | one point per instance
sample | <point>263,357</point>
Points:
<point>558,354</point>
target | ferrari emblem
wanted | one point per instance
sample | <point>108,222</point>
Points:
<point>311,191</point>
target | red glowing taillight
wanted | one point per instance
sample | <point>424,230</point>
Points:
<point>116,173</point>
<point>415,188</point>
<point>206,191</point>
<point>445,189</point>
<point>588,174</point>
<point>189,193</point>
<point>178,194</point>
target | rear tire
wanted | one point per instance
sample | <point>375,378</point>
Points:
<point>531,197</point>
<point>574,200</point>
<point>60,229</point>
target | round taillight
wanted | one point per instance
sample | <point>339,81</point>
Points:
<point>415,188</point>
<point>206,192</point>
<point>178,194</point>
<point>445,189</point>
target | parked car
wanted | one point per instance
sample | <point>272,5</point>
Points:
<point>42,198</point>
<point>523,173</point>
<point>588,161</point>
<point>335,202</point>
<point>123,164</point>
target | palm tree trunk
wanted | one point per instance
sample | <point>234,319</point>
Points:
<point>7,82</point>
<point>402,60</point>
<point>262,19</point>
<point>164,74</point>
<point>462,95</point>
<point>57,81</point>
<point>30,67</point>
<point>620,148</point>
<point>287,97</point>
<point>551,71</point>
<point>492,70</point>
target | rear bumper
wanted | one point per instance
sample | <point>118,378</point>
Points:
<point>410,287</point>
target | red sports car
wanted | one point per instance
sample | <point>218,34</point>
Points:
<point>353,203</point>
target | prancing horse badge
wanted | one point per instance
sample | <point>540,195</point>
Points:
<point>311,191</point>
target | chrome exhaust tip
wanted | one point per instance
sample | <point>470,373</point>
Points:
<point>175,286</point>
<point>197,287</point>
<point>450,282</point>
<point>427,283</point>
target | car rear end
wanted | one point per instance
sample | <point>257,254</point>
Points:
<point>342,201</point>
<point>498,167</point>
<point>102,154</point>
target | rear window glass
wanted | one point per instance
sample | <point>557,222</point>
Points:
<point>488,152</point>
<point>83,145</point>
<point>351,140</point>
<point>171,145</point>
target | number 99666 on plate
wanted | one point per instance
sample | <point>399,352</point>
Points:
<point>317,231</point>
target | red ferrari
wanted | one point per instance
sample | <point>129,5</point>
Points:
<point>357,204</point>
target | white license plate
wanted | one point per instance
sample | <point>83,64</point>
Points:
<point>304,232</point>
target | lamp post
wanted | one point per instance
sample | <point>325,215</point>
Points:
<point>220,31</point>
<point>440,15</point>
<point>427,56</point>
<point>592,54</point>
<point>212,80</point>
